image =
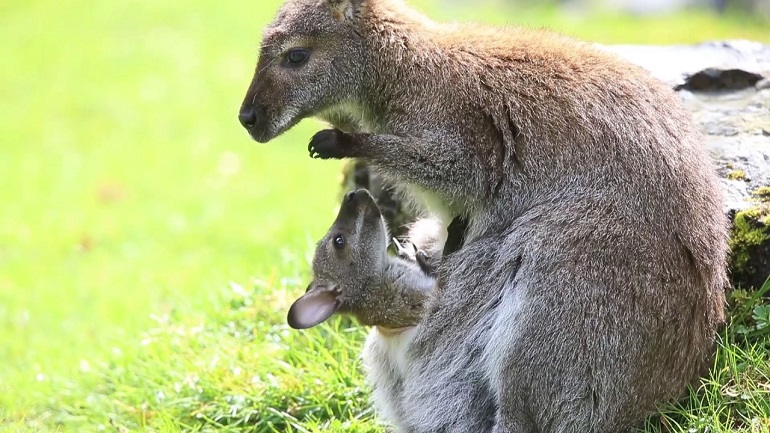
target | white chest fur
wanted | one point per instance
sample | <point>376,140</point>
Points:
<point>384,357</point>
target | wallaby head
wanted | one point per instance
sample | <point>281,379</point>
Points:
<point>348,260</point>
<point>311,60</point>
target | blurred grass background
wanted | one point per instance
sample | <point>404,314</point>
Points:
<point>148,247</point>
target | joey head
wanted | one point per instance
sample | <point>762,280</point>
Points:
<point>354,274</point>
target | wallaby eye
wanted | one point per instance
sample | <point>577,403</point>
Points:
<point>339,242</point>
<point>297,56</point>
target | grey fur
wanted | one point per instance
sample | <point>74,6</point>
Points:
<point>591,282</point>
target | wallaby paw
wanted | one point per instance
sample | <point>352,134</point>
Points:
<point>331,144</point>
<point>423,261</point>
<point>403,252</point>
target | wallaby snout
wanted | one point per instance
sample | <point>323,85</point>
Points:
<point>248,116</point>
<point>263,113</point>
<point>351,195</point>
<point>255,119</point>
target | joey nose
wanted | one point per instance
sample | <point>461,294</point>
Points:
<point>248,116</point>
<point>363,195</point>
<point>350,196</point>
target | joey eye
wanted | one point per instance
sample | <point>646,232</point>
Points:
<point>339,242</point>
<point>297,56</point>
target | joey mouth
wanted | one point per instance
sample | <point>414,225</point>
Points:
<point>393,332</point>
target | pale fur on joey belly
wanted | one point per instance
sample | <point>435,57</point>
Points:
<point>384,358</point>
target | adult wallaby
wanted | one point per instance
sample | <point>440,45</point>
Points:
<point>590,284</point>
<point>355,275</point>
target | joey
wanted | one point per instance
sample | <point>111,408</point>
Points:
<point>355,275</point>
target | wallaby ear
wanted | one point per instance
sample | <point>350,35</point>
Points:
<point>347,9</point>
<point>312,308</point>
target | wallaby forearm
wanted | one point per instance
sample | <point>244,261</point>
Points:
<point>448,168</point>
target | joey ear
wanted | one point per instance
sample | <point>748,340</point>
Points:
<point>347,9</point>
<point>314,307</point>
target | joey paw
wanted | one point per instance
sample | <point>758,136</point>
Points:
<point>402,251</point>
<point>423,260</point>
<point>331,144</point>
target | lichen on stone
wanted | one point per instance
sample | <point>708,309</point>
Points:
<point>736,175</point>
<point>762,194</point>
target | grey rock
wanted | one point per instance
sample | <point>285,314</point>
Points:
<point>675,63</point>
<point>714,79</point>
<point>726,84</point>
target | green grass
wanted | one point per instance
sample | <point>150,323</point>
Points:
<point>149,249</point>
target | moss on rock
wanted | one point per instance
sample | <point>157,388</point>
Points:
<point>750,242</point>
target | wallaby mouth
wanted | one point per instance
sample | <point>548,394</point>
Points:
<point>260,135</point>
<point>393,332</point>
<point>255,120</point>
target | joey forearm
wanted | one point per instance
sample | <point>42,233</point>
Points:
<point>450,169</point>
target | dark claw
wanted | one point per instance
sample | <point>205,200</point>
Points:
<point>401,250</point>
<point>331,144</point>
<point>424,262</point>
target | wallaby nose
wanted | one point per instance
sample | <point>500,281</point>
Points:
<point>248,116</point>
<point>351,195</point>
